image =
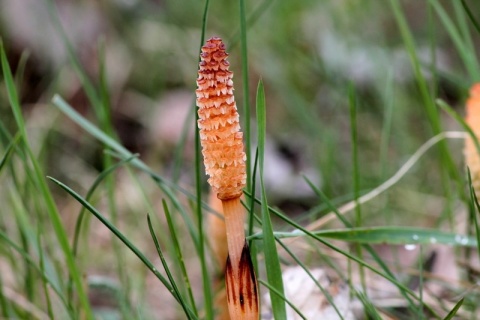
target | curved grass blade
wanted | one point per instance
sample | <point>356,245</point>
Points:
<point>246,91</point>
<point>5,311</point>
<point>327,295</point>
<point>386,235</point>
<point>455,309</point>
<point>274,272</point>
<point>165,266</point>
<point>470,15</point>
<point>120,236</point>
<point>8,152</point>
<point>178,252</point>
<point>44,284</point>
<point>282,298</point>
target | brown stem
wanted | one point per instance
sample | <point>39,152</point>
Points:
<point>241,283</point>
<point>234,219</point>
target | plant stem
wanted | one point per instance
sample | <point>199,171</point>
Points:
<point>241,282</point>
<point>234,219</point>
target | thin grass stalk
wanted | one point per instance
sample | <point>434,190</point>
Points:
<point>471,16</point>
<point>356,175</point>
<point>178,253</point>
<point>274,272</point>
<point>327,295</point>
<point>44,283</point>
<point>246,90</point>
<point>4,307</point>
<point>166,268</point>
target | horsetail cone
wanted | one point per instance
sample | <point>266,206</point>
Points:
<point>220,134</point>
<point>472,118</point>
<point>224,158</point>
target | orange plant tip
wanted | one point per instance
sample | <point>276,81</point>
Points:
<point>473,109</point>
<point>220,135</point>
<point>472,118</point>
<point>474,99</point>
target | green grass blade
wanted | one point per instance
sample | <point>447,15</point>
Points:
<point>250,21</point>
<point>354,137</point>
<point>455,309</point>
<point>28,283</point>
<point>179,254</point>
<point>386,235</point>
<point>167,269</point>
<point>274,272</point>
<point>281,297</point>
<point>368,305</point>
<point>251,203</point>
<point>327,295</point>
<point>356,173</point>
<point>246,91</point>
<point>5,311</point>
<point>20,72</point>
<point>464,31</point>
<point>470,16</point>
<point>8,152</point>
<point>44,284</point>
<point>52,210</point>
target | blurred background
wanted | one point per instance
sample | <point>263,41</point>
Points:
<point>308,53</point>
<point>313,57</point>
